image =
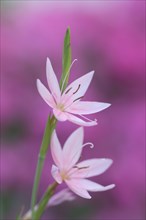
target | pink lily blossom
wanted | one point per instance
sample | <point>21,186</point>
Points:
<point>66,105</point>
<point>74,174</point>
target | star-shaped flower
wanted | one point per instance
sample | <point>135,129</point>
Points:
<point>66,105</point>
<point>74,174</point>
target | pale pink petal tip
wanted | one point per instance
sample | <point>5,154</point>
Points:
<point>110,186</point>
<point>52,81</point>
<point>104,106</point>
<point>72,148</point>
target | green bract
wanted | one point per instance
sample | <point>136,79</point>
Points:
<point>66,61</point>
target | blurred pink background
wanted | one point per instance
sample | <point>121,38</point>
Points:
<point>106,36</point>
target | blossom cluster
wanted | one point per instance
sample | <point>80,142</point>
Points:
<point>66,105</point>
<point>113,44</point>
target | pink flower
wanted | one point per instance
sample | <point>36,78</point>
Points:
<point>67,104</point>
<point>74,174</point>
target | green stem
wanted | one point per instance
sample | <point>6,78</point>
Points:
<point>36,182</point>
<point>44,201</point>
<point>51,123</point>
<point>43,204</point>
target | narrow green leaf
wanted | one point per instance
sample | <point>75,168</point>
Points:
<point>66,61</point>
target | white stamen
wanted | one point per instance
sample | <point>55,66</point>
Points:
<point>88,143</point>
<point>67,73</point>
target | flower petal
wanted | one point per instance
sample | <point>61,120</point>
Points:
<point>56,174</point>
<point>94,187</point>
<point>61,116</point>
<point>79,121</point>
<point>56,150</point>
<point>78,87</point>
<point>45,94</point>
<point>52,81</point>
<point>72,148</point>
<point>87,107</point>
<point>91,167</point>
<point>75,186</point>
<point>60,197</point>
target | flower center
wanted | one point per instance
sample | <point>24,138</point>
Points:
<point>64,175</point>
<point>61,107</point>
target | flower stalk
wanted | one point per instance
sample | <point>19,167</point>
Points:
<point>40,208</point>
<point>51,123</point>
<point>44,201</point>
<point>65,101</point>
